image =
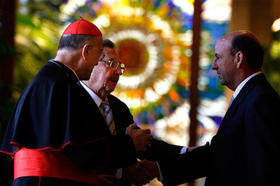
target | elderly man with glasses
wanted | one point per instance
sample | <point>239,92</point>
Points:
<point>116,115</point>
<point>105,75</point>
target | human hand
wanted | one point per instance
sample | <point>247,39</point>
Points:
<point>141,137</point>
<point>150,167</point>
<point>107,180</point>
<point>142,173</point>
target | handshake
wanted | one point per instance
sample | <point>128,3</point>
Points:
<point>141,173</point>
<point>145,170</point>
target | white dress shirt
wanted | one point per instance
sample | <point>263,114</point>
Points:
<point>241,85</point>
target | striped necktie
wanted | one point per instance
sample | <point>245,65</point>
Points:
<point>107,115</point>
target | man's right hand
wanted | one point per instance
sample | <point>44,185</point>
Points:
<point>142,173</point>
<point>141,137</point>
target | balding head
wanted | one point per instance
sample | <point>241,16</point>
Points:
<point>249,45</point>
<point>237,56</point>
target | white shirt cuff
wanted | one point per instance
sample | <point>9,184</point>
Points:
<point>183,150</point>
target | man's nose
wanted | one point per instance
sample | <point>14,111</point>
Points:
<point>119,70</point>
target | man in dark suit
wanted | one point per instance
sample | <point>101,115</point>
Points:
<point>102,82</point>
<point>246,149</point>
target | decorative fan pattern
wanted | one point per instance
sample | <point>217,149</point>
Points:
<point>154,41</point>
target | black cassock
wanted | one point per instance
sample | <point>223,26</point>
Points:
<point>55,113</point>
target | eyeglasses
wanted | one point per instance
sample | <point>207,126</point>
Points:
<point>114,64</point>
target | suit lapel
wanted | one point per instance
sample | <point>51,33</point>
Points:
<point>240,99</point>
<point>121,114</point>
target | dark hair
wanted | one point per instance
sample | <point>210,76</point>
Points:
<point>108,43</point>
<point>249,45</point>
<point>73,41</point>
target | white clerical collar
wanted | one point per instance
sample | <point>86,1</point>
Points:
<point>241,85</point>
<point>95,98</point>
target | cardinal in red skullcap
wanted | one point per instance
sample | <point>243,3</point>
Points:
<point>82,27</point>
<point>51,134</point>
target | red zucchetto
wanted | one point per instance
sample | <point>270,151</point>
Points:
<point>82,27</point>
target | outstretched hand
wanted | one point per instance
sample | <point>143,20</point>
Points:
<point>150,167</point>
<point>141,137</point>
<point>141,173</point>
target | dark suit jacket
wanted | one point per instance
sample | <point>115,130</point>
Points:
<point>159,150</point>
<point>246,149</point>
<point>123,118</point>
<point>108,155</point>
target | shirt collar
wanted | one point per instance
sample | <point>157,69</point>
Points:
<point>241,85</point>
<point>95,98</point>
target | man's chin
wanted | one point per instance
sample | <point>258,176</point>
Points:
<point>224,83</point>
<point>110,89</point>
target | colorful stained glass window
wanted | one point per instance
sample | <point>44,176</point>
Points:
<point>154,41</point>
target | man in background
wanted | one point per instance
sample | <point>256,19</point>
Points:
<point>117,117</point>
